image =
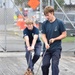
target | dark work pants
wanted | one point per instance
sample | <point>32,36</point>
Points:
<point>31,61</point>
<point>55,56</point>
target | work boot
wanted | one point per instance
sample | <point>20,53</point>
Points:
<point>29,72</point>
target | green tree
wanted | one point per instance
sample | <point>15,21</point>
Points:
<point>60,2</point>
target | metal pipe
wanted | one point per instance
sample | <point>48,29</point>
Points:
<point>40,15</point>
<point>64,14</point>
<point>17,8</point>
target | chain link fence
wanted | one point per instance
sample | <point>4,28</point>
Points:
<point>11,36</point>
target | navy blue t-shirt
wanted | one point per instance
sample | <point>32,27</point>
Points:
<point>31,33</point>
<point>53,30</point>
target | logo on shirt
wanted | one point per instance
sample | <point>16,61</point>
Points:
<point>55,28</point>
<point>25,34</point>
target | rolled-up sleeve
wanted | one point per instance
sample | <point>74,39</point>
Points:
<point>25,33</point>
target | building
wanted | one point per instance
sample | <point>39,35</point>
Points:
<point>69,5</point>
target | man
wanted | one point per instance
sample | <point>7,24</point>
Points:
<point>32,43</point>
<point>53,31</point>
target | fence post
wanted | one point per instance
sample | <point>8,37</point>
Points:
<point>5,22</point>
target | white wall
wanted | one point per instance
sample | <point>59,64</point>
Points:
<point>68,2</point>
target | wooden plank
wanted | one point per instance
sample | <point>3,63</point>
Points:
<point>17,65</point>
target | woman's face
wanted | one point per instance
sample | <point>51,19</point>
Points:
<point>30,26</point>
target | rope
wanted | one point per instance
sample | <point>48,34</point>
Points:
<point>40,62</point>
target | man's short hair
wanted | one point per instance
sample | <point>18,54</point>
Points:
<point>28,21</point>
<point>48,9</point>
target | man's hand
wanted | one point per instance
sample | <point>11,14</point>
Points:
<point>47,46</point>
<point>30,48</point>
<point>51,40</point>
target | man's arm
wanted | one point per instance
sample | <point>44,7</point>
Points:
<point>35,37</point>
<point>44,38</point>
<point>63,35</point>
<point>26,38</point>
<point>45,41</point>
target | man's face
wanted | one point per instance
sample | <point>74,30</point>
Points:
<point>30,26</point>
<point>49,16</point>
